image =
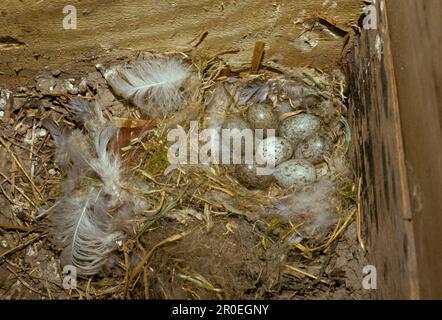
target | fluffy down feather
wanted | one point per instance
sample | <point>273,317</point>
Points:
<point>154,85</point>
<point>90,114</point>
<point>72,147</point>
<point>315,204</point>
<point>105,164</point>
<point>94,213</point>
<point>84,231</point>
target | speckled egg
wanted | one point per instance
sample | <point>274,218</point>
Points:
<point>261,116</point>
<point>295,173</point>
<point>299,127</point>
<point>235,122</point>
<point>314,148</point>
<point>247,175</point>
<point>275,150</point>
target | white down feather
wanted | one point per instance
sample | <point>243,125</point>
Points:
<point>93,214</point>
<point>106,164</point>
<point>85,232</point>
<point>154,85</point>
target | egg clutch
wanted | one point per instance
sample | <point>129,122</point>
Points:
<point>298,147</point>
<point>302,115</point>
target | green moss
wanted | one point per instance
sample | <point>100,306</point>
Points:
<point>156,158</point>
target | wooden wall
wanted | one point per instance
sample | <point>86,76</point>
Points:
<point>396,116</point>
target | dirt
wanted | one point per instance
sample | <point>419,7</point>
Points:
<point>228,257</point>
<point>36,52</point>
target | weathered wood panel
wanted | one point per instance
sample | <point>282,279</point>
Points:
<point>396,120</point>
<point>163,25</point>
<point>416,42</point>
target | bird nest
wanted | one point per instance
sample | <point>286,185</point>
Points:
<point>154,230</point>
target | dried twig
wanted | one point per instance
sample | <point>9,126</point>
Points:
<point>17,228</point>
<point>304,273</point>
<point>20,247</point>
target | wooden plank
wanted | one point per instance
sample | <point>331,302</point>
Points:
<point>396,120</point>
<point>38,40</point>
<point>416,43</point>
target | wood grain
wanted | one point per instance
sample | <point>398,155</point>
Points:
<point>397,150</point>
<point>416,42</point>
<point>164,25</point>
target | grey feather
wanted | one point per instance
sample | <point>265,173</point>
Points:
<point>90,114</point>
<point>254,92</point>
<point>72,147</point>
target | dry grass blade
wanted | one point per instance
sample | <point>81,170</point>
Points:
<point>201,282</point>
<point>27,285</point>
<point>304,273</point>
<point>198,39</point>
<point>164,209</point>
<point>15,187</point>
<point>340,228</point>
<point>22,168</point>
<point>16,228</point>
<point>138,268</point>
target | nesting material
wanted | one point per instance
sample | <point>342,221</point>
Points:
<point>125,208</point>
<point>300,110</point>
<point>315,205</point>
